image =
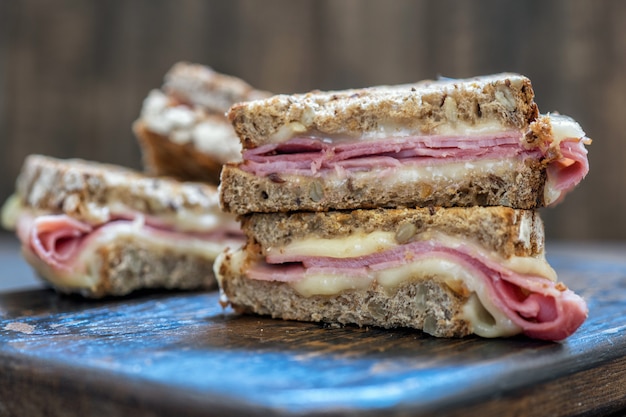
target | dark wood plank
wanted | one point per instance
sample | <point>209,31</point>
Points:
<point>179,353</point>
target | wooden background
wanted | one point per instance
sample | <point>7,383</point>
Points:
<point>73,73</point>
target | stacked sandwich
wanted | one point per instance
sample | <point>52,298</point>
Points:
<point>411,205</point>
<point>102,230</point>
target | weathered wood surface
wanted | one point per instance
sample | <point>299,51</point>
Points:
<point>73,73</point>
<point>159,354</point>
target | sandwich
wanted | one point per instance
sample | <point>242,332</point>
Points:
<point>102,230</point>
<point>449,272</point>
<point>468,142</point>
<point>182,129</point>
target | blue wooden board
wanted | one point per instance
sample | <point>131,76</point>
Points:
<point>181,353</point>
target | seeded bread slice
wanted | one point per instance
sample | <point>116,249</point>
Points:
<point>520,187</point>
<point>89,191</point>
<point>426,304</point>
<point>200,85</point>
<point>183,131</point>
<point>502,230</point>
<point>424,107</point>
<point>183,161</point>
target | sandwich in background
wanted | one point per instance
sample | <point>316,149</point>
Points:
<point>444,143</point>
<point>182,129</point>
<point>450,272</point>
<point>407,205</point>
<point>102,230</point>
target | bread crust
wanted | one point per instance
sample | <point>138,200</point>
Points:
<point>125,265</point>
<point>199,85</point>
<point>505,231</point>
<point>183,161</point>
<point>506,99</point>
<point>85,190</point>
<point>242,192</point>
<point>183,131</point>
<point>424,304</point>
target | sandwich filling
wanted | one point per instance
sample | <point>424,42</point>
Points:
<point>188,124</point>
<point>431,156</point>
<point>64,249</point>
<point>503,296</point>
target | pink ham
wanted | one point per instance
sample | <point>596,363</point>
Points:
<point>566,172</point>
<point>308,156</point>
<point>542,308</point>
<point>58,239</point>
<point>55,239</point>
<point>311,156</point>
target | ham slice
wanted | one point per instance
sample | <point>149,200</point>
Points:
<point>55,239</point>
<point>309,156</point>
<point>566,172</point>
<point>58,239</point>
<point>542,308</point>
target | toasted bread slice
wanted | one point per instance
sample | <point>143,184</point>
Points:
<point>500,101</point>
<point>449,272</point>
<point>182,129</point>
<point>92,192</point>
<point>518,185</point>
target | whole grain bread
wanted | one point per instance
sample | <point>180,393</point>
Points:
<point>183,161</point>
<point>425,304</point>
<point>502,230</point>
<point>505,99</point>
<point>242,192</point>
<point>122,266</point>
<point>183,131</point>
<point>86,190</point>
<point>200,85</point>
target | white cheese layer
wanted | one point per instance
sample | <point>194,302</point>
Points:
<point>11,211</point>
<point>564,127</point>
<point>183,124</point>
<point>389,130</point>
<point>441,175</point>
<point>360,244</point>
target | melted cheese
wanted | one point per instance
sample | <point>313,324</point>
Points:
<point>11,211</point>
<point>183,124</point>
<point>329,284</point>
<point>440,173</point>
<point>564,127</point>
<point>360,244</point>
<point>453,274</point>
<point>485,318</point>
<point>389,130</point>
